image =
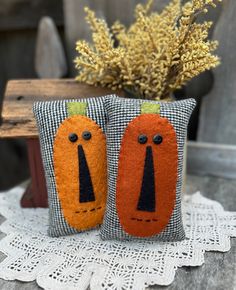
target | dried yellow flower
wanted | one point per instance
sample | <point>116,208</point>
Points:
<point>156,55</point>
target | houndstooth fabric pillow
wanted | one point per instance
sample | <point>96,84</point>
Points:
<point>142,137</point>
<point>52,118</point>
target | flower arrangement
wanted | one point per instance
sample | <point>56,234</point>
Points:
<point>156,55</point>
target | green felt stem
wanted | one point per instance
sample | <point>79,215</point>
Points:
<point>149,108</point>
<point>76,108</point>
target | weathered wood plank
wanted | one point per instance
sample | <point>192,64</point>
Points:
<point>74,10</point>
<point>25,14</point>
<point>211,159</point>
<point>50,59</point>
<point>17,116</point>
<point>115,11</point>
<point>218,118</point>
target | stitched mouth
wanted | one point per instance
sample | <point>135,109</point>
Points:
<point>89,210</point>
<point>147,197</point>
<point>86,192</point>
<point>144,220</point>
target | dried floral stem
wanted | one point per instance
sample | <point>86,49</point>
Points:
<point>156,55</point>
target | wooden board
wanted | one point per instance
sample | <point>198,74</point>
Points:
<point>211,159</point>
<point>17,116</point>
<point>218,118</point>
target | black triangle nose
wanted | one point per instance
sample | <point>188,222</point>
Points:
<point>86,192</point>
<point>147,198</point>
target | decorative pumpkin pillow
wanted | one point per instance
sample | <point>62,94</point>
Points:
<point>73,148</point>
<point>145,144</point>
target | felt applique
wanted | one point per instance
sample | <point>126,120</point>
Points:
<point>145,148</point>
<point>147,198</point>
<point>147,175</point>
<point>150,108</point>
<point>86,192</point>
<point>80,169</point>
<point>76,108</point>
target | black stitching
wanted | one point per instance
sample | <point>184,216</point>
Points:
<point>86,210</point>
<point>143,220</point>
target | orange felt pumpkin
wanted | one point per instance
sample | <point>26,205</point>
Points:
<point>80,171</point>
<point>147,175</point>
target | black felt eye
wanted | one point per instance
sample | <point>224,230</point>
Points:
<point>157,139</point>
<point>73,137</point>
<point>142,139</point>
<point>86,135</point>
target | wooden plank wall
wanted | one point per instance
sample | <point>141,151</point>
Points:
<point>25,14</point>
<point>218,118</point>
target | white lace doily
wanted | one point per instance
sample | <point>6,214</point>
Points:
<point>83,260</point>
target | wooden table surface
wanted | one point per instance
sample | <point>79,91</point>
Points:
<point>219,270</point>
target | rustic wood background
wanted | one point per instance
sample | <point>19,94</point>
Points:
<point>19,55</point>
<point>18,31</point>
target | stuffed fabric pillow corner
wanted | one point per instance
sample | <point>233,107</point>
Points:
<point>73,149</point>
<point>145,147</point>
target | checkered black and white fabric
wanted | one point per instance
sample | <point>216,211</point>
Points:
<point>120,113</point>
<point>49,116</point>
